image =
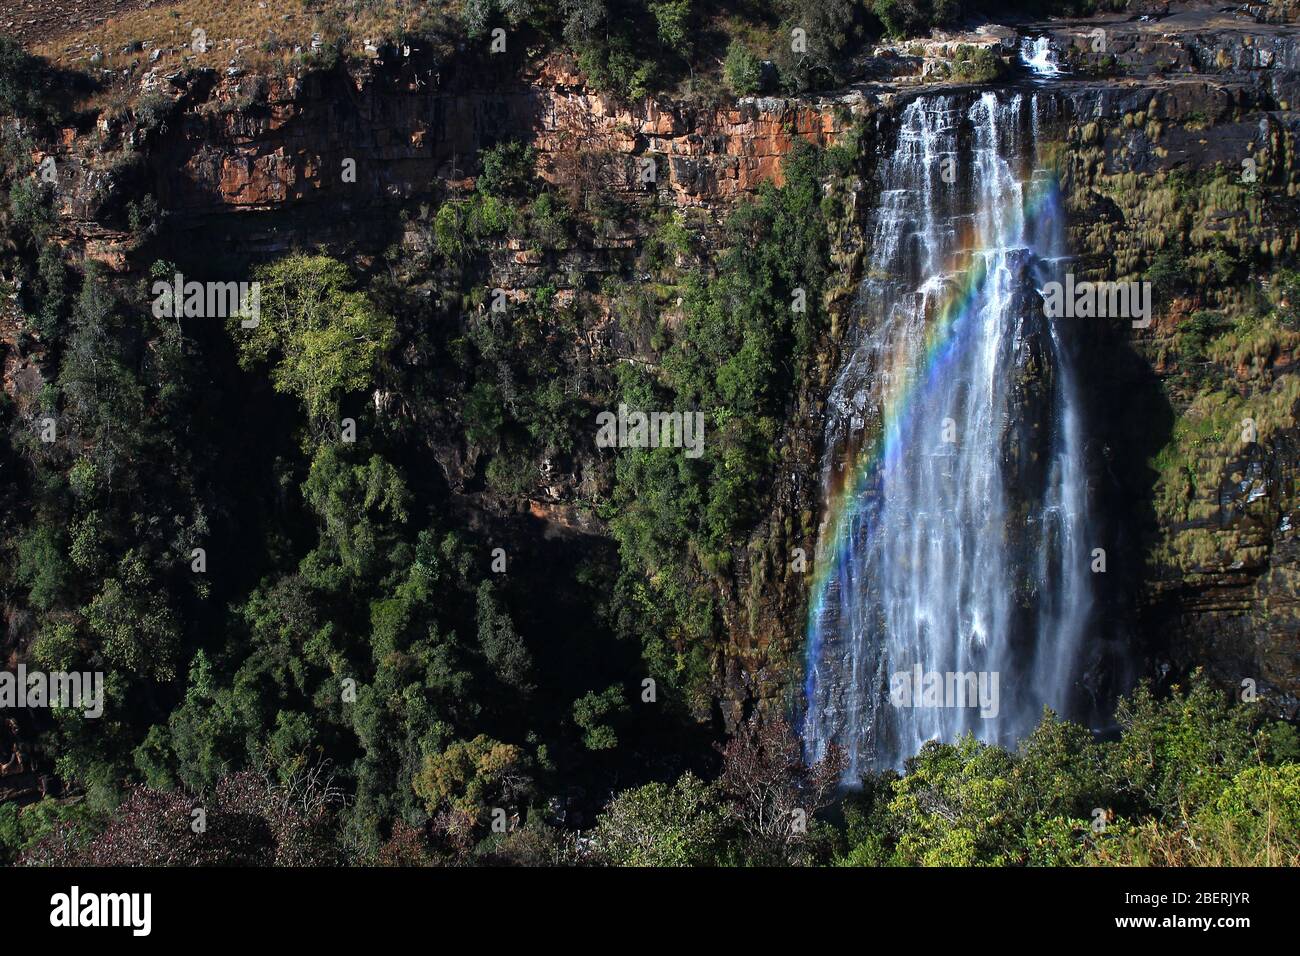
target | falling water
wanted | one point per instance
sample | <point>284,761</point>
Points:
<point>1037,54</point>
<point>955,502</point>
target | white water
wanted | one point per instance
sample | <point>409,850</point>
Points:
<point>1037,54</point>
<point>965,556</point>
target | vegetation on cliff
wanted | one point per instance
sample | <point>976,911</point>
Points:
<point>295,591</point>
<point>1192,780</point>
<point>300,550</point>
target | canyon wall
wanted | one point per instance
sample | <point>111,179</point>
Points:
<point>1151,132</point>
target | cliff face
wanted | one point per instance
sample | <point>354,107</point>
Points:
<point>248,167</point>
<point>398,132</point>
<point>1152,132</point>
<point>1174,143</point>
<point>1182,172</point>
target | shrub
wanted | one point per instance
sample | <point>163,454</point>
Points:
<point>1168,273</point>
<point>909,18</point>
<point>1254,821</point>
<point>661,825</point>
<point>470,776</point>
<point>618,69</point>
<point>153,111</point>
<point>1287,286</point>
<point>1177,754</point>
<point>976,64</point>
<point>24,82</point>
<point>448,231</point>
<point>591,713</point>
<point>743,70</point>
<point>507,170</point>
<point>248,821</point>
<point>512,473</point>
<point>483,415</point>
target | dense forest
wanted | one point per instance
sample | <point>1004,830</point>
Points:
<point>323,644</point>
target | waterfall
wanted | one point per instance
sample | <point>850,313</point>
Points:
<point>1037,55</point>
<point>954,538</point>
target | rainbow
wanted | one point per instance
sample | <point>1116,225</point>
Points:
<point>885,447</point>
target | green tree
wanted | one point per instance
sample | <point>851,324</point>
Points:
<point>672,23</point>
<point>742,69</point>
<point>24,82</point>
<point>472,776</point>
<point>661,825</point>
<point>591,712</point>
<point>42,565</point>
<point>909,18</point>
<point>1177,754</point>
<point>131,615</point>
<point>503,648</point>
<point>507,170</point>
<point>360,507</point>
<point>952,806</point>
<point>322,338</point>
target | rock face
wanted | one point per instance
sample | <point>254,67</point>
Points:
<point>306,147</point>
<point>1155,132</point>
<point>248,167</point>
<point>1190,183</point>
